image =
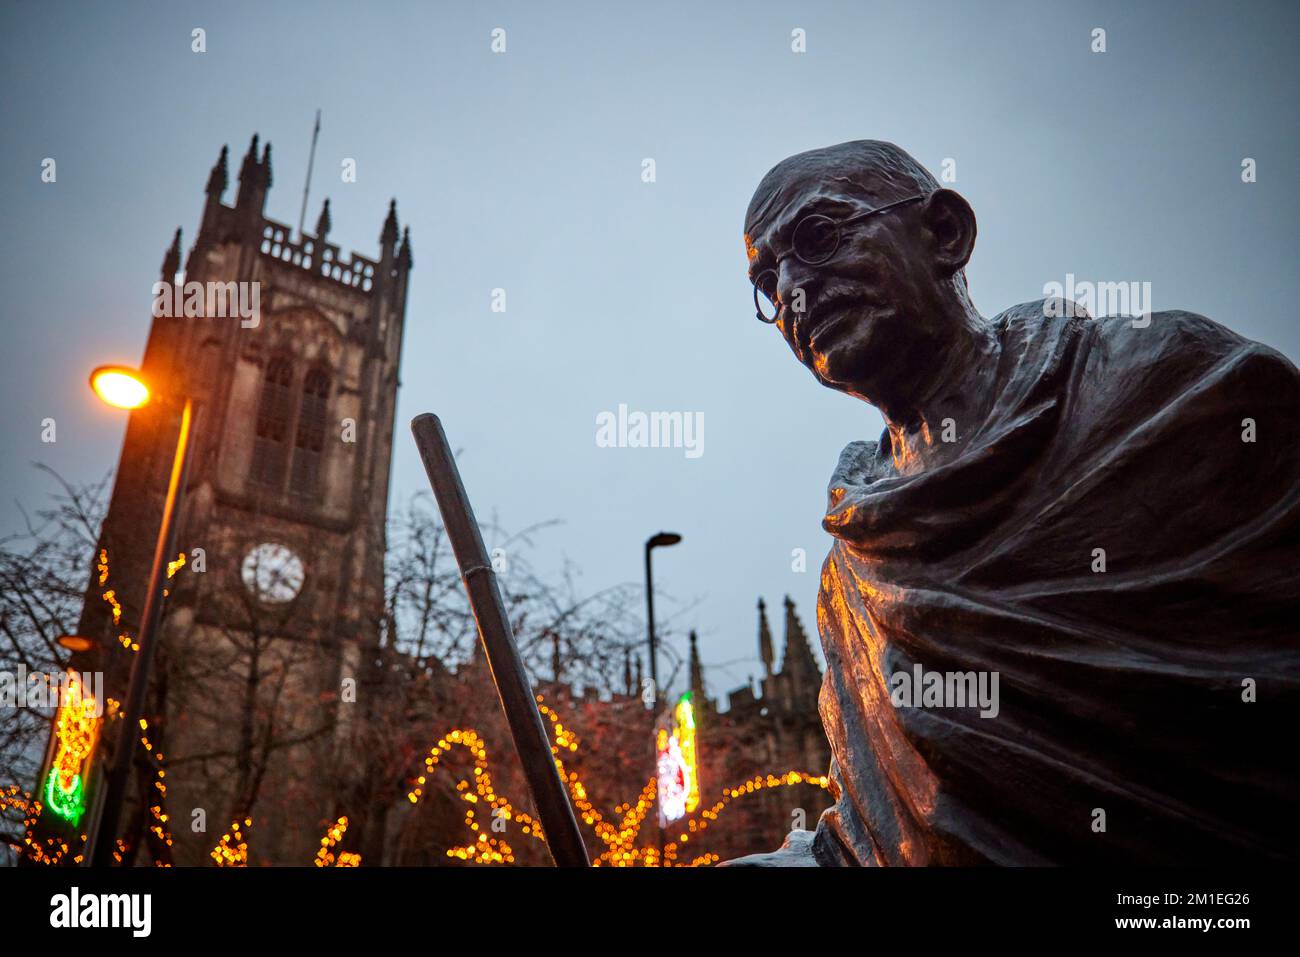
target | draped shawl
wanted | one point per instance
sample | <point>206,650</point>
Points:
<point>1146,711</point>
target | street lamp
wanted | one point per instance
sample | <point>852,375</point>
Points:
<point>75,643</point>
<point>119,386</point>
<point>125,388</point>
<point>662,540</point>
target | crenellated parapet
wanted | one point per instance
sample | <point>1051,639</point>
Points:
<point>317,256</point>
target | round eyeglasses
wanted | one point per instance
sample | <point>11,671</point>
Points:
<point>814,241</point>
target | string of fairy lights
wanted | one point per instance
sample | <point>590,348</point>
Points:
<point>157,808</point>
<point>77,731</point>
<point>232,849</point>
<point>621,848</point>
<point>326,857</point>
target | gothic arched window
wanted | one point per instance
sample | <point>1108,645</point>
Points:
<point>309,442</point>
<point>271,446</point>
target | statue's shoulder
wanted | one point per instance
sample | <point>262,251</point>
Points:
<point>1040,313</point>
<point>1172,340</point>
<point>1180,340</point>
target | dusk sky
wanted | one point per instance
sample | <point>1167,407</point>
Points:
<point>522,171</point>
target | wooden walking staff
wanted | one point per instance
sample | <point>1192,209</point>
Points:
<point>559,825</point>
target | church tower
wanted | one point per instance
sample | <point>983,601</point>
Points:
<point>280,600</point>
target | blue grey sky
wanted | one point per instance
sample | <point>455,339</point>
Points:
<point>522,171</point>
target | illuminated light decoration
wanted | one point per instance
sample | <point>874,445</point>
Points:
<point>325,856</point>
<point>485,849</point>
<point>688,743</point>
<point>172,568</point>
<point>54,849</point>
<point>672,778</point>
<point>752,786</point>
<point>14,798</point>
<point>232,849</point>
<point>677,765</point>
<point>110,596</point>
<point>620,840</point>
<point>158,826</point>
<point>621,849</point>
<point>76,730</point>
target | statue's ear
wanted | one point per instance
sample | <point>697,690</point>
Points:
<point>951,222</point>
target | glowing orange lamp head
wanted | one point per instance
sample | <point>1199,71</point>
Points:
<point>120,386</point>
<point>76,642</point>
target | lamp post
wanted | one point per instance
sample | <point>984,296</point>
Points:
<point>125,389</point>
<point>661,540</point>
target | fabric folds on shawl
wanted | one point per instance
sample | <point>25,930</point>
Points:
<point>1120,691</point>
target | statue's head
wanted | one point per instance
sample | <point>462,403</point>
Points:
<point>857,256</point>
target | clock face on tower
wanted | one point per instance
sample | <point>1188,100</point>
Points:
<point>272,573</point>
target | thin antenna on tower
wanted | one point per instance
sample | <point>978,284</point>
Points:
<point>310,162</point>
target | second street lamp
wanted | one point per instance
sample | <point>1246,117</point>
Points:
<point>663,539</point>
<point>124,388</point>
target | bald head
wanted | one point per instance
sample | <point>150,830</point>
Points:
<point>872,171</point>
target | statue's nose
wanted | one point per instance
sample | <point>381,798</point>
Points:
<point>792,276</point>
